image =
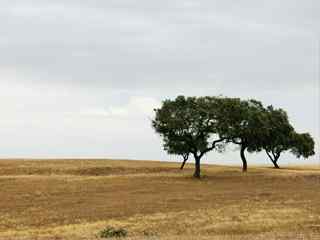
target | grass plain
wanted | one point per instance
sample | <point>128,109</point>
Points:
<point>75,199</point>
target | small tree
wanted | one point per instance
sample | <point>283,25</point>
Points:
<point>178,148</point>
<point>189,126</point>
<point>279,134</point>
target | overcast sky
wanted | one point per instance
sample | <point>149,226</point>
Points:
<point>79,78</point>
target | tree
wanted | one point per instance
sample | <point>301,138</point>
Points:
<point>302,145</point>
<point>279,134</point>
<point>189,126</point>
<point>178,148</point>
<point>243,125</point>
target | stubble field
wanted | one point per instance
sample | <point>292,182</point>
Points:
<point>75,199</point>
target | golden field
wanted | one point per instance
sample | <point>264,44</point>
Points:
<point>75,199</point>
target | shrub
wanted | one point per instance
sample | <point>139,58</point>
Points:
<point>111,232</point>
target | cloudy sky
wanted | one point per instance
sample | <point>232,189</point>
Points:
<point>79,78</point>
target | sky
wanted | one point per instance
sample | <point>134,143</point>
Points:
<point>80,78</point>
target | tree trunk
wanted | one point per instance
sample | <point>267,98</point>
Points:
<point>274,160</point>
<point>184,162</point>
<point>275,164</point>
<point>197,168</point>
<point>243,158</point>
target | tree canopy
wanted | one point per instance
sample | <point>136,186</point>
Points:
<point>302,145</point>
<point>243,125</point>
<point>198,125</point>
<point>280,136</point>
<point>189,126</point>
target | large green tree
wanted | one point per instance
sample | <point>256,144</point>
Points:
<point>243,125</point>
<point>189,126</point>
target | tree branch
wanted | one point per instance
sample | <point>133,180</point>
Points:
<point>218,141</point>
<point>277,156</point>
<point>213,145</point>
<point>269,155</point>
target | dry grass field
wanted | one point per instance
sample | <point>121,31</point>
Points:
<point>75,199</point>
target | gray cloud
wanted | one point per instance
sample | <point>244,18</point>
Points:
<point>79,58</point>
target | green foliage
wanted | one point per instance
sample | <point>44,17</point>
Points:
<point>280,136</point>
<point>278,133</point>
<point>302,145</point>
<point>242,122</point>
<point>191,125</point>
<point>187,125</point>
<point>111,232</point>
